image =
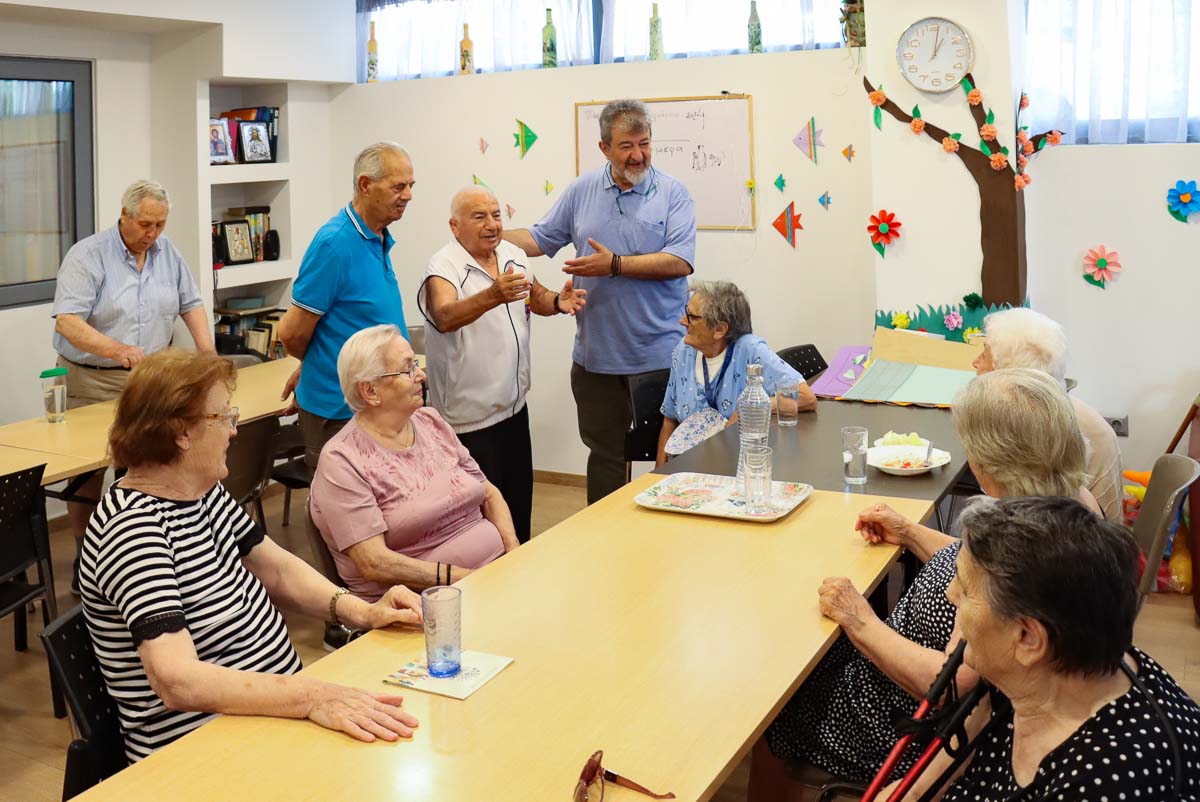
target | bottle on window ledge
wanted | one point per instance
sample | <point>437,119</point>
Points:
<point>549,43</point>
<point>372,57</point>
<point>656,44</point>
<point>754,28</point>
<point>466,54</point>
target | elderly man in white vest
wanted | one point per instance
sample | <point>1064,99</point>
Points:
<point>477,296</point>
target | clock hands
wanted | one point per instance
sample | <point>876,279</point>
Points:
<point>937,44</point>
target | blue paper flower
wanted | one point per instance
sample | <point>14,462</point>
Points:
<point>1183,200</point>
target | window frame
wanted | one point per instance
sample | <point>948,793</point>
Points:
<point>80,73</point>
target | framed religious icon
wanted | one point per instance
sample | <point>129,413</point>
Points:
<point>235,235</point>
<point>220,149</point>
<point>256,146</point>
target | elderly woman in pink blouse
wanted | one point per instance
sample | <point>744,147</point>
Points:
<point>396,496</point>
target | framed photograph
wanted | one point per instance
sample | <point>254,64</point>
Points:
<point>235,235</point>
<point>220,149</point>
<point>256,146</point>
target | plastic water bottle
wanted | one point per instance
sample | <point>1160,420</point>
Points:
<point>754,414</point>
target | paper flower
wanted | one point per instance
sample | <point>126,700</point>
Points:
<point>973,301</point>
<point>1019,182</point>
<point>1027,178</point>
<point>987,131</point>
<point>953,321</point>
<point>950,145</point>
<point>974,97</point>
<point>1021,162</point>
<point>901,320</point>
<point>1183,200</point>
<point>884,230</point>
<point>1024,100</point>
<point>999,161</point>
<point>1101,265</point>
<point>877,98</point>
<point>917,125</point>
<point>750,186</point>
<point>1022,136</point>
<point>1054,138</point>
<point>1027,148</point>
<point>971,332</point>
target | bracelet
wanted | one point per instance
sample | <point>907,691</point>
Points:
<point>557,309</point>
<point>615,267</point>
<point>449,581</point>
<point>438,581</point>
<point>337,594</point>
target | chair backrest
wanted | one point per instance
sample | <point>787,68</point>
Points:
<point>1172,475</point>
<point>72,658</point>
<point>416,338</point>
<point>646,392</point>
<point>24,536</point>
<point>805,359</point>
<point>320,549</point>
<point>250,458</point>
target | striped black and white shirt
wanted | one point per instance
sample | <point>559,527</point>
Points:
<point>152,565</point>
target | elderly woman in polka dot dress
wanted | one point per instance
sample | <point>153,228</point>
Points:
<point>1047,596</point>
<point>1021,438</point>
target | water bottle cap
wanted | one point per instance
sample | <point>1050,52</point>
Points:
<point>52,372</point>
<point>754,369</point>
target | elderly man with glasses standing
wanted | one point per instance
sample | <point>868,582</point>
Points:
<point>634,232</point>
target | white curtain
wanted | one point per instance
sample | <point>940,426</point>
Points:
<point>717,27</point>
<point>1114,71</point>
<point>420,39</point>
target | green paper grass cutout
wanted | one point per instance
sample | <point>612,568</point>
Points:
<point>933,318</point>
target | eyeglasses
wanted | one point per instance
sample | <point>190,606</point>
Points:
<point>231,416</point>
<point>590,787</point>
<point>407,373</point>
<point>692,318</point>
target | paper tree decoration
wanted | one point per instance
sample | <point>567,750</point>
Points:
<point>524,138</point>
<point>848,152</point>
<point>884,229</point>
<point>1100,266</point>
<point>483,145</point>
<point>809,139</point>
<point>1183,200</point>
<point>511,211</point>
<point>779,182</point>
<point>788,222</point>
<point>825,200</point>
<point>548,187</point>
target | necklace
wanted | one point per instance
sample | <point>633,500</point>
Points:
<point>399,441</point>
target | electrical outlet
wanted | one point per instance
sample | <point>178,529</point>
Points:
<point>1120,425</point>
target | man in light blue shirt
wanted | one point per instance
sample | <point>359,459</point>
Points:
<point>634,232</point>
<point>117,297</point>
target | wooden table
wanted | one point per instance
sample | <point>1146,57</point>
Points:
<point>668,640</point>
<point>58,466</point>
<point>811,450</point>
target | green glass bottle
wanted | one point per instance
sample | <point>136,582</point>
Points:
<point>549,43</point>
<point>656,45</point>
<point>754,28</point>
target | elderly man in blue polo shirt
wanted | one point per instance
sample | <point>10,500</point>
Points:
<point>115,303</point>
<point>634,232</point>
<point>345,284</point>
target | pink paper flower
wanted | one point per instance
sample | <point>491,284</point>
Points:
<point>953,321</point>
<point>1101,264</point>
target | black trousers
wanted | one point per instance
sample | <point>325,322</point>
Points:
<point>605,412</point>
<point>505,455</point>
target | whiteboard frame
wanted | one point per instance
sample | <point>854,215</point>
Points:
<point>750,110</point>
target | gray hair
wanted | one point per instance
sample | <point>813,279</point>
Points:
<point>362,359</point>
<point>370,160</point>
<point>1018,427</point>
<point>724,303</point>
<point>627,113</point>
<point>460,198</point>
<point>1023,338</point>
<point>1053,561</point>
<point>140,190</point>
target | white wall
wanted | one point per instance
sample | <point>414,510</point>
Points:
<point>822,292</point>
<point>1133,345</point>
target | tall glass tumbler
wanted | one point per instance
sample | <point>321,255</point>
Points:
<point>442,607</point>
<point>787,403</point>
<point>854,454</point>
<point>756,476</point>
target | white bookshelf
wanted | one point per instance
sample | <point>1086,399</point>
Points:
<point>231,276</point>
<point>247,173</point>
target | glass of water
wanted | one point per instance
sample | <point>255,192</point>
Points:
<point>854,454</point>
<point>757,479</point>
<point>54,394</point>
<point>442,608</point>
<point>787,403</point>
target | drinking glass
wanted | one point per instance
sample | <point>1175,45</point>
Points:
<point>854,454</point>
<point>787,403</point>
<point>757,479</point>
<point>442,608</point>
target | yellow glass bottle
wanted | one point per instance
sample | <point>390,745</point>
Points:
<point>372,57</point>
<point>466,54</point>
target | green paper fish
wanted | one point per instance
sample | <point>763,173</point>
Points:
<point>524,138</point>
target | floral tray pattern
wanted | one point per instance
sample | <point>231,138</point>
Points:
<point>719,496</point>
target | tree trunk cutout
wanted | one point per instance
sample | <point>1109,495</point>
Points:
<point>1001,204</point>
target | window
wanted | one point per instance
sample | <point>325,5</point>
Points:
<point>46,187</point>
<point>1114,71</point>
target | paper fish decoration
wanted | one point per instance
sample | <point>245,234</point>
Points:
<point>524,138</point>
<point>479,181</point>
<point>780,183</point>
<point>483,145</point>
<point>549,187</point>
<point>511,211</point>
<point>825,200</point>
<point>849,153</point>
<point>809,139</point>
<point>788,222</point>
<point>850,374</point>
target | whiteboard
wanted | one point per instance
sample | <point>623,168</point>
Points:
<point>705,142</point>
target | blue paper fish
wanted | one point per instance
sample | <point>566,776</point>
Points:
<point>825,200</point>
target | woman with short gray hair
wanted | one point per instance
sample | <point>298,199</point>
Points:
<point>709,367</point>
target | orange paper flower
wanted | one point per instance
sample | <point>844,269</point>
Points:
<point>988,132</point>
<point>1022,136</point>
<point>950,145</point>
<point>1028,180</point>
<point>877,98</point>
<point>917,125</point>
<point>1054,138</point>
<point>974,97</point>
<point>884,228</point>
<point>1024,100</point>
<point>999,161</point>
<point>1021,162</point>
<point>1027,148</point>
<point>1019,182</point>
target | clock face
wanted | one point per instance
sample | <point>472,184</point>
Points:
<point>934,54</point>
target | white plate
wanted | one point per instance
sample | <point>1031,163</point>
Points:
<point>924,445</point>
<point>880,454</point>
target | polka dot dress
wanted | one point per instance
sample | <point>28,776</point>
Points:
<point>1121,753</point>
<point>841,718</point>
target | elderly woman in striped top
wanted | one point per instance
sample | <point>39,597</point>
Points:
<point>180,585</point>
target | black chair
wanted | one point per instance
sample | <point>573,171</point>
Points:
<point>805,359</point>
<point>99,751</point>
<point>646,392</point>
<point>294,474</point>
<point>250,458</point>
<point>25,544</point>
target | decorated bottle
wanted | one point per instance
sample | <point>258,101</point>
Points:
<point>656,45</point>
<point>466,54</point>
<point>549,43</point>
<point>754,28</point>
<point>372,57</point>
<point>754,414</point>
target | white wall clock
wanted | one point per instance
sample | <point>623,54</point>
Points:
<point>934,54</point>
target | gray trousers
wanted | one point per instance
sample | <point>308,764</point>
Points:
<point>603,407</point>
<point>317,431</point>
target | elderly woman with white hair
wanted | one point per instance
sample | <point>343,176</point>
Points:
<point>1023,338</point>
<point>396,496</point>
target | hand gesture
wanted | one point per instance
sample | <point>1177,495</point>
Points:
<point>361,715</point>
<point>594,264</point>
<point>398,606</point>
<point>881,524</point>
<point>510,286</point>
<point>129,355</point>
<point>839,601</point>
<point>571,300</point>
<point>289,389</point>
